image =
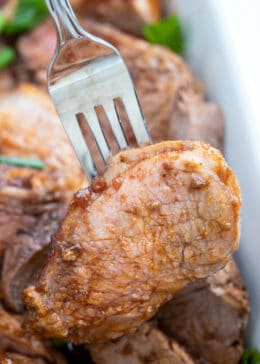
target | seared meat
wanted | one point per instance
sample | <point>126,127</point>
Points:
<point>147,345</point>
<point>171,97</point>
<point>30,128</point>
<point>27,237</point>
<point>14,339</point>
<point>209,317</point>
<point>164,216</point>
<point>32,202</point>
<point>129,15</point>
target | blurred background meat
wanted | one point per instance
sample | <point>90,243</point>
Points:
<point>129,15</point>
<point>147,345</point>
<point>209,317</point>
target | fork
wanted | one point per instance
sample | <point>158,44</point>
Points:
<point>85,73</point>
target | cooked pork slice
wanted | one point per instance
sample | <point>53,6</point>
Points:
<point>147,345</point>
<point>171,97</point>
<point>209,317</point>
<point>30,128</point>
<point>14,339</point>
<point>163,216</point>
<point>7,81</point>
<point>26,249</point>
<point>32,202</point>
<point>129,15</point>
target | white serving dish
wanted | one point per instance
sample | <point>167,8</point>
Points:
<point>223,49</point>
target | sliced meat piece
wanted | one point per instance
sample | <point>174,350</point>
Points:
<point>14,339</point>
<point>32,202</point>
<point>209,317</point>
<point>31,128</point>
<point>166,215</point>
<point>129,15</point>
<point>195,119</point>
<point>27,249</point>
<point>7,80</point>
<point>147,345</point>
<point>171,97</point>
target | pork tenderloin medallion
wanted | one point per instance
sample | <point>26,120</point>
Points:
<point>129,15</point>
<point>15,340</point>
<point>146,345</point>
<point>163,216</point>
<point>209,317</point>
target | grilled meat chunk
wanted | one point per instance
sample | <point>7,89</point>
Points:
<point>171,97</point>
<point>30,128</point>
<point>129,15</point>
<point>147,345</point>
<point>163,216</point>
<point>27,242</point>
<point>14,339</point>
<point>32,202</point>
<point>209,317</point>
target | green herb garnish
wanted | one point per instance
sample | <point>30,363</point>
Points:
<point>22,162</point>
<point>167,32</point>
<point>251,356</point>
<point>28,14</point>
<point>2,22</point>
<point>58,343</point>
<point>7,56</point>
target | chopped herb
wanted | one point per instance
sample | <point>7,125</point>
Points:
<point>7,56</point>
<point>28,14</point>
<point>2,22</point>
<point>167,32</point>
<point>251,356</point>
<point>58,343</point>
<point>22,162</point>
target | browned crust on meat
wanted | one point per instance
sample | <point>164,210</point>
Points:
<point>124,251</point>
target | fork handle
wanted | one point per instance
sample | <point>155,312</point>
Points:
<point>65,20</point>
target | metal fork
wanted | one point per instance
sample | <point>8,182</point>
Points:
<point>87,72</point>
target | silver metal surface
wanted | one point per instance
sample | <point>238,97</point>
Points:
<point>87,72</point>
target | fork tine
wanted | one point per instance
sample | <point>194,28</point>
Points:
<point>79,145</point>
<point>115,124</point>
<point>136,118</point>
<point>97,132</point>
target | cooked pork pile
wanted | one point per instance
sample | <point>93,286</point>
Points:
<point>207,318</point>
<point>163,216</point>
